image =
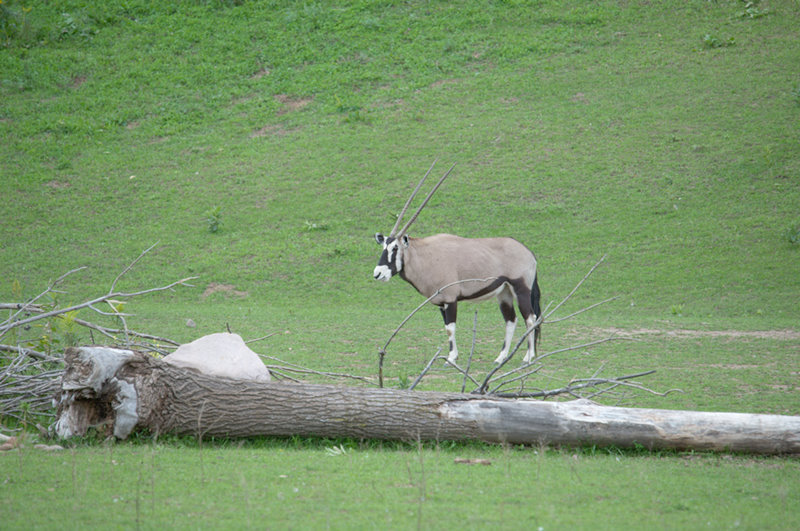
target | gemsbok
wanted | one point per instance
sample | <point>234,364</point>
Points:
<point>448,269</point>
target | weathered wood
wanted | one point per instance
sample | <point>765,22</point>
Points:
<point>129,390</point>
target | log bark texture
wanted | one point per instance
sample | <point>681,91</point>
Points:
<point>129,390</point>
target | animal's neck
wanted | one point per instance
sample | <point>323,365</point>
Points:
<point>408,272</point>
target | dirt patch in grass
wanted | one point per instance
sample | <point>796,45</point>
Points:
<point>272,129</point>
<point>733,366</point>
<point>781,335</point>
<point>57,185</point>
<point>227,289</point>
<point>77,82</point>
<point>579,97</point>
<point>291,104</point>
<point>443,82</point>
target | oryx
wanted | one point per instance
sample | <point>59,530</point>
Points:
<point>449,269</point>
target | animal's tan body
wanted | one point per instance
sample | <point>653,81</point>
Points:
<point>442,259</point>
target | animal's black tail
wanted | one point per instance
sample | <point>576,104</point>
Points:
<point>536,296</point>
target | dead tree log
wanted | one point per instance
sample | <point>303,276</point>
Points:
<point>128,390</point>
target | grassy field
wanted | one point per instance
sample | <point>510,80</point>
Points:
<point>262,144</point>
<point>283,484</point>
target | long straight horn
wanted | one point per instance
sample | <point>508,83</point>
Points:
<point>430,194</point>
<point>413,194</point>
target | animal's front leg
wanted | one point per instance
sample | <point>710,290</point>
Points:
<point>449,315</point>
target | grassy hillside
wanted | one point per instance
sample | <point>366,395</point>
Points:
<point>263,143</point>
<point>581,129</point>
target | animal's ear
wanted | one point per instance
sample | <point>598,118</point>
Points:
<point>379,238</point>
<point>405,240</point>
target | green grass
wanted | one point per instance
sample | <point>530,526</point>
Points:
<point>262,144</point>
<point>283,483</point>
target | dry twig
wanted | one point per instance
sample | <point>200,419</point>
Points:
<point>426,369</point>
<point>293,367</point>
<point>29,378</point>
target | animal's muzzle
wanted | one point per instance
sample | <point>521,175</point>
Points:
<point>382,273</point>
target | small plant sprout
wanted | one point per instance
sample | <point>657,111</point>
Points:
<point>311,226</point>
<point>214,219</point>
<point>713,41</point>
<point>67,329</point>
<point>793,235</point>
<point>334,451</point>
<point>752,10</point>
<point>403,381</point>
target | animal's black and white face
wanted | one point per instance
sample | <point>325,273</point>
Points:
<point>391,261</point>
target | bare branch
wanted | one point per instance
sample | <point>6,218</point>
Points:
<point>27,382</point>
<point>381,357</point>
<point>104,330</point>
<point>491,378</point>
<point>108,314</point>
<point>497,367</point>
<point>27,352</point>
<point>109,332</point>
<point>26,388</point>
<point>293,367</point>
<point>277,371</point>
<point>260,338</point>
<point>571,293</point>
<point>584,346</point>
<point>87,304</point>
<point>30,303</point>
<point>426,369</point>
<point>471,350</point>
<point>20,306</point>
<point>522,377</point>
<point>593,306</point>
<point>462,371</point>
<point>583,383</point>
<point>130,266</point>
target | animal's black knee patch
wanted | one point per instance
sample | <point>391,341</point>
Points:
<point>508,312</point>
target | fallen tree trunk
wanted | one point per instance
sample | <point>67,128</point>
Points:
<point>127,390</point>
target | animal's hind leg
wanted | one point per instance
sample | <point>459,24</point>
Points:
<point>531,354</point>
<point>506,299</point>
<point>526,309</point>
<point>449,312</point>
